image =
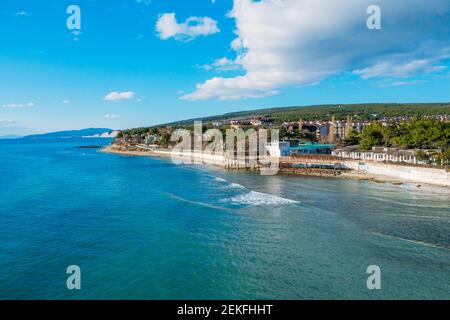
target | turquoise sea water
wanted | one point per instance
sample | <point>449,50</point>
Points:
<point>143,228</point>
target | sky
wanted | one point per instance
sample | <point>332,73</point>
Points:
<point>136,63</point>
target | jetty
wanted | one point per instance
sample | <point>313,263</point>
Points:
<point>316,165</point>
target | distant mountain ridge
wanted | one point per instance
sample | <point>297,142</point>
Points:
<point>108,134</point>
<point>90,132</point>
<point>340,111</point>
<point>10,136</point>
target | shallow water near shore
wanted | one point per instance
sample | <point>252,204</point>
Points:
<point>144,228</point>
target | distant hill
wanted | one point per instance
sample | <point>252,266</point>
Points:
<point>71,134</point>
<point>359,112</point>
<point>323,112</point>
<point>107,134</point>
<point>10,136</point>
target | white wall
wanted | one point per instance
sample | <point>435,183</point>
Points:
<point>409,173</point>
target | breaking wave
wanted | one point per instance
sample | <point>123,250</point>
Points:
<point>254,198</point>
<point>251,198</point>
<point>230,185</point>
<point>236,186</point>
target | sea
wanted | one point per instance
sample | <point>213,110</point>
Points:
<point>145,228</point>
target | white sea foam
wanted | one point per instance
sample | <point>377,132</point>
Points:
<point>236,186</point>
<point>254,198</point>
<point>231,185</point>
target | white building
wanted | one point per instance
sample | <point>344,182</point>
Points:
<point>378,154</point>
<point>281,149</point>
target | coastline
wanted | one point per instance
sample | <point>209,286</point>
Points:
<point>136,153</point>
<point>349,174</point>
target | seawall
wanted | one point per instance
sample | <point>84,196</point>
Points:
<point>426,175</point>
<point>360,170</point>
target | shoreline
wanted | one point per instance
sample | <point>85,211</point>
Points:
<point>136,153</point>
<point>350,174</point>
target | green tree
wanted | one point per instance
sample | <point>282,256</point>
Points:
<point>443,158</point>
<point>164,140</point>
<point>153,131</point>
<point>422,156</point>
<point>353,138</point>
<point>371,136</point>
<point>420,134</point>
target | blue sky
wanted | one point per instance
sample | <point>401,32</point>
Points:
<point>139,63</point>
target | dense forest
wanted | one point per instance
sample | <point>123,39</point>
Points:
<point>340,112</point>
<point>359,112</point>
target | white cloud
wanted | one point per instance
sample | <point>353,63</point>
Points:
<point>168,27</point>
<point>285,43</point>
<point>21,14</point>
<point>112,116</point>
<point>222,64</point>
<point>401,67</point>
<point>401,83</point>
<point>18,105</point>
<point>8,123</point>
<point>66,101</point>
<point>116,96</point>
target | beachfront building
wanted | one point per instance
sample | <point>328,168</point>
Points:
<point>281,149</point>
<point>312,148</point>
<point>284,149</point>
<point>378,154</point>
